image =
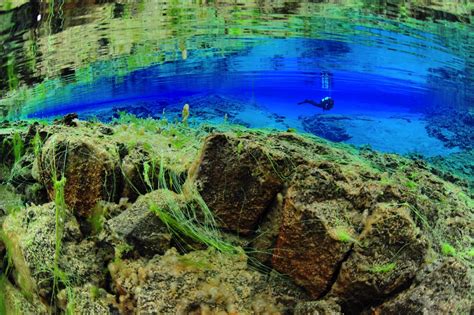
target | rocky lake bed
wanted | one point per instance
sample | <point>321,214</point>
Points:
<point>150,216</point>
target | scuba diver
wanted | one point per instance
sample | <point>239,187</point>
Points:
<point>326,103</point>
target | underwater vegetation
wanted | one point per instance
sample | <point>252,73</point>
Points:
<point>144,215</point>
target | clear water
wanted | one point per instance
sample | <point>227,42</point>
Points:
<point>396,71</point>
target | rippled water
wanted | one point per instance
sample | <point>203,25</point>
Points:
<point>397,71</point>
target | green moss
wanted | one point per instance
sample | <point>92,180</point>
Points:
<point>411,185</point>
<point>341,234</point>
<point>448,250</point>
<point>37,144</point>
<point>60,215</point>
<point>385,268</point>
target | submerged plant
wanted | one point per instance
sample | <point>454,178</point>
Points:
<point>60,216</point>
<point>341,234</point>
<point>18,147</point>
<point>37,144</point>
<point>185,114</point>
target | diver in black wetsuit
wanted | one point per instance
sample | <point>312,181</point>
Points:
<point>326,103</point>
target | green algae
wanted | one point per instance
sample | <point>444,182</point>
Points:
<point>10,201</point>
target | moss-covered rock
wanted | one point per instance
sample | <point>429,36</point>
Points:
<point>384,259</point>
<point>236,180</point>
<point>31,235</point>
<point>444,287</point>
<point>91,166</point>
<point>88,299</point>
<point>201,281</point>
<point>141,228</point>
<point>12,301</point>
<point>318,228</point>
<point>322,307</point>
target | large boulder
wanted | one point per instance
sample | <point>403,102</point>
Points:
<point>236,179</point>
<point>444,287</point>
<point>90,164</point>
<point>317,230</point>
<point>239,176</point>
<point>386,257</point>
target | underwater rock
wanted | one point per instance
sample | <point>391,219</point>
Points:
<point>31,235</point>
<point>322,307</point>
<point>236,179</point>
<point>326,126</point>
<point>12,301</point>
<point>69,120</point>
<point>90,165</point>
<point>444,287</point>
<point>316,232</point>
<point>268,231</point>
<point>384,259</point>
<point>198,282</point>
<point>132,166</point>
<point>454,128</point>
<point>142,228</point>
<point>455,168</point>
<point>88,299</point>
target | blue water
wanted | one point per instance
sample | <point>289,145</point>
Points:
<point>382,96</point>
<point>276,70</point>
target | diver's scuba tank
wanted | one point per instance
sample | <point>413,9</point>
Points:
<point>326,103</point>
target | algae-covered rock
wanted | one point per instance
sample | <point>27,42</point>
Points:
<point>140,227</point>
<point>12,301</point>
<point>317,229</point>
<point>322,307</point>
<point>239,176</point>
<point>88,299</point>
<point>133,172</point>
<point>31,235</point>
<point>89,164</point>
<point>387,255</point>
<point>236,179</point>
<point>198,282</point>
<point>444,287</point>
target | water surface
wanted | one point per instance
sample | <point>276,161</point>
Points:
<point>389,67</point>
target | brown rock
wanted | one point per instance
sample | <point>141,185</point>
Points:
<point>389,252</point>
<point>237,180</point>
<point>316,232</point>
<point>442,288</point>
<point>90,166</point>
